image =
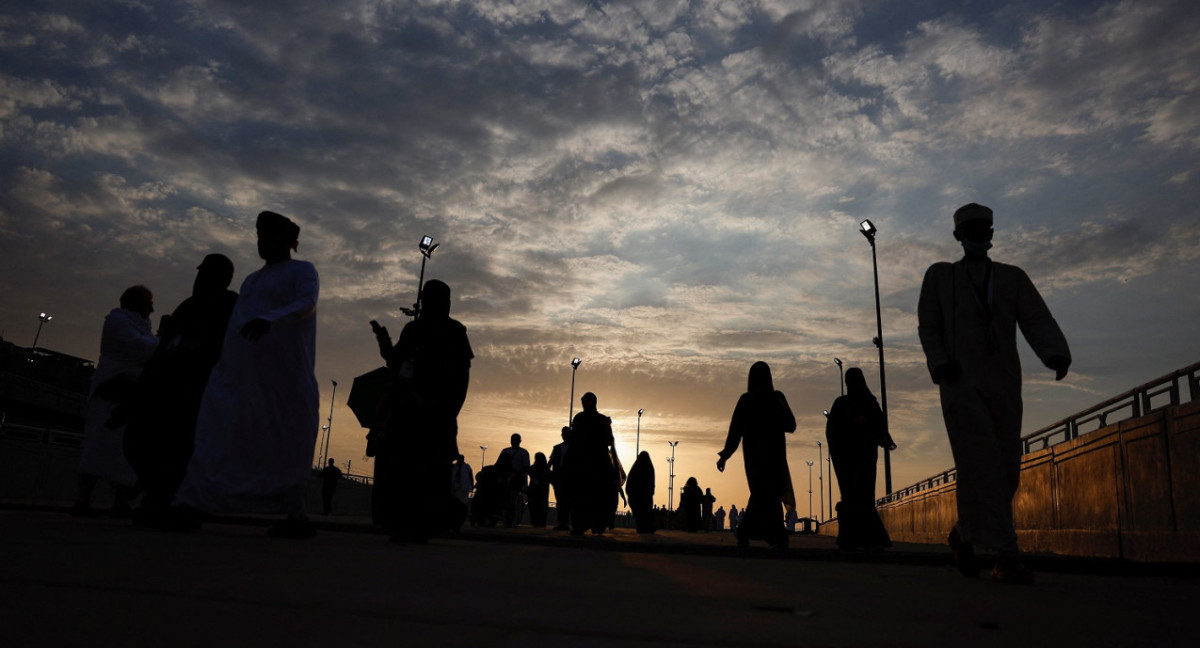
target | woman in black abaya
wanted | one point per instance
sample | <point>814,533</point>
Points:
<point>855,432</point>
<point>760,420</point>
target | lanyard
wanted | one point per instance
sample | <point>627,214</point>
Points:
<point>983,295</point>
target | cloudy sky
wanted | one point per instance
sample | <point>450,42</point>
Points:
<point>669,190</point>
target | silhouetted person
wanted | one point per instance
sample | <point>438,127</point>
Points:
<point>706,509</point>
<point>331,475</point>
<point>617,499</point>
<point>431,370</point>
<point>461,481</point>
<point>126,344</point>
<point>258,418</point>
<point>518,474</point>
<point>592,471</point>
<point>691,501</point>
<point>162,422</point>
<point>560,481</point>
<point>639,486</point>
<point>719,519</point>
<point>734,518</point>
<point>760,420</point>
<point>968,314</point>
<point>855,432</point>
<point>539,491</point>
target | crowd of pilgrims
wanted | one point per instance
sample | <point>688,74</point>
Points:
<point>218,412</point>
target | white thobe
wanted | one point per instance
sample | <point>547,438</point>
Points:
<point>258,418</point>
<point>970,316</point>
<point>126,344</point>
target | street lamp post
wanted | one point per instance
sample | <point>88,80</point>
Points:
<point>868,230</point>
<point>821,482</point>
<point>483,456</point>
<point>638,445</point>
<point>426,246</point>
<point>42,319</point>
<point>841,375</point>
<point>671,481</point>
<point>809,488</point>
<point>829,465</point>
<point>329,427</point>
<point>571,408</point>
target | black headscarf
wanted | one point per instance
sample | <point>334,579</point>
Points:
<point>759,381</point>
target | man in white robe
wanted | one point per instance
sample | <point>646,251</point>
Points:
<point>126,344</point>
<point>258,419</point>
<point>968,315</point>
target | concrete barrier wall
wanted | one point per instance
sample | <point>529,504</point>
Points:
<point>1129,490</point>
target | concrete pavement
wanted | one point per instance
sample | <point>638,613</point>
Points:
<point>101,582</point>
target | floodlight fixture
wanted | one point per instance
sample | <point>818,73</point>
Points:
<point>427,246</point>
<point>575,363</point>
<point>868,230</point>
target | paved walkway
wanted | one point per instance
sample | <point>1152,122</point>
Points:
<point>101,582</point>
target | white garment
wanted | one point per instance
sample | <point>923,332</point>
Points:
<point>969,314</point>
<point>258,419</point>
<point>126,343</point>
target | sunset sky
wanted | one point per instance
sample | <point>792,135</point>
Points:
<point>669,190</point>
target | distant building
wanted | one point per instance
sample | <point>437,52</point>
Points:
<point>41,390</point>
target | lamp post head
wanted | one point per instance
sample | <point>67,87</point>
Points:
<point>427,246</point>
<point>483,447</point>
<point>575,363</point>
<point>837,361</point>
<point>641,411</point>
<point>44,317</point>
<point>868,230</point>
<point>826,413</point>
<point>809,463</point>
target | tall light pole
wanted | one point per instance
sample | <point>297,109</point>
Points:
<point>571,408</point>
<point>821,482</point>
<point>42,319</point>
<point>426,246</point>
<point>671,481</point>
<point>829,465</point>
<point>868,230</point>
<point>809,489</point>
<point>841,375</point>
<point>638,445</point>
<point>329,428</point>
<point>483,457</point>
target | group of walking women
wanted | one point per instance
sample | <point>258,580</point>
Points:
<point>855,431</point>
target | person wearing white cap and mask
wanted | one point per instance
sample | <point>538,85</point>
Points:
<point>968,314</point>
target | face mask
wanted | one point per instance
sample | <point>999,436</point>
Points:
<point>975,248</point>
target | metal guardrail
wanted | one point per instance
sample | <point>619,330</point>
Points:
<point>1167,391</point>
<point>41,435</point>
